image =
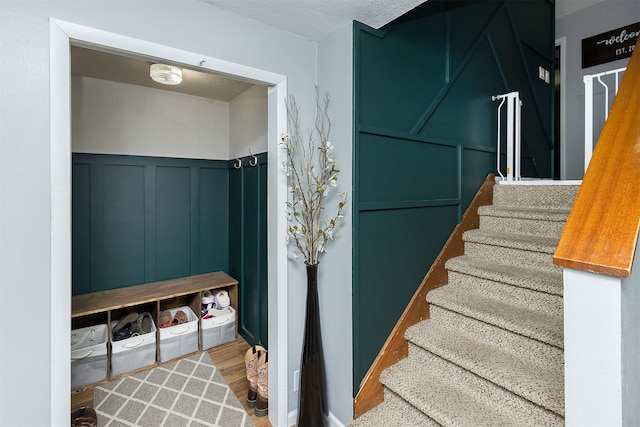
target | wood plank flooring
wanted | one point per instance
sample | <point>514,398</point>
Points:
<point>228,358</point>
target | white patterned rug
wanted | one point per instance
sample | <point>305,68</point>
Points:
<point>186,392</point>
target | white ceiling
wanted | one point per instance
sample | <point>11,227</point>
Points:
<point>317,19</point>
<point>311,19</point>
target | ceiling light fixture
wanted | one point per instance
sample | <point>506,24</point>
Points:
<point>165,74</point>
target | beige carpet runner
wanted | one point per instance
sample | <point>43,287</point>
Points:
<point>187,392</point>
<point>491,353</point>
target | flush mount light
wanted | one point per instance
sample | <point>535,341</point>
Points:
<point>165,74</point>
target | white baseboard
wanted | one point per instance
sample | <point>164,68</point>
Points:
<point>333,421</point>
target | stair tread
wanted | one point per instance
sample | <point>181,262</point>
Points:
<point>540,381</point>
<point>394,412</point>
<point>541,244</point>
<point>530,323</point>
<point>447,404</point>
<point>550,282</point>
<point>441,392</point>
<point>549,196</point>
<point>546,214</point>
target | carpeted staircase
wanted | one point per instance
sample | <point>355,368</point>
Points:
<point>491,353</point>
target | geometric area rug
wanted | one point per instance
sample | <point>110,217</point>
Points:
<point>185,392</point>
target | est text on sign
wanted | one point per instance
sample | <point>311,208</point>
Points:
<point>610,46</point>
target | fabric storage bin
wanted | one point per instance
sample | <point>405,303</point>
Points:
<point>218,329</point>
<point>133,353</point>
<point>178,340</point>
<point>88,355</point>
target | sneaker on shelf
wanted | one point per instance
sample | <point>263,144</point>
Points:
<point>222,300</point>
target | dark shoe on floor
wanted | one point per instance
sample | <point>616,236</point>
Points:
<point>84,417</point>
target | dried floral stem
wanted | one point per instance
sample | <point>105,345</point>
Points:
<point>311,173</point>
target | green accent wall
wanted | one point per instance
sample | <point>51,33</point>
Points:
<point>248,245</point>
<point>425,135</point>
<point>139,219</point>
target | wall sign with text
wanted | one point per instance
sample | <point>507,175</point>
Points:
<point>610,46</point>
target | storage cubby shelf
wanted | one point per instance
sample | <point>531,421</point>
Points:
<point>97,302</point>
<point>108,306</point>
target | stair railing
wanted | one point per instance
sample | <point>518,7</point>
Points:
<point>513,136</point>
<point>396,347</point>
<point>588,106</point>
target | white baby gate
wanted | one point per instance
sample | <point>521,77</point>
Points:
<point>513,134</point>
<point>589,103</point>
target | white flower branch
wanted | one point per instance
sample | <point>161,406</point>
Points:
<point>311,173</point>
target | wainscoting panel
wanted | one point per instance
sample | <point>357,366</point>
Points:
<point>248,244</point>
<point>144,219</point>
<point>425,138</point>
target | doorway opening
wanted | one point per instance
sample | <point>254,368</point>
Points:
<point>62,36</point>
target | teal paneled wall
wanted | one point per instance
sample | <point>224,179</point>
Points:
<point>144,219</point>
<point>425,135</point>
<point>248,243</point>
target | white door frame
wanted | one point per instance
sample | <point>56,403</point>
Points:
<point>62,34</point>
<point>562,42</point>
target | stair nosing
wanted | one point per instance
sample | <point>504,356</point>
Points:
<point>541,244</point>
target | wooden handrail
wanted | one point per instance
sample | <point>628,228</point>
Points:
<point>602,230</point>
<point>396,347</point>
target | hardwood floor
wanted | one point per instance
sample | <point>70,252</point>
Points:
<point>228,358</point>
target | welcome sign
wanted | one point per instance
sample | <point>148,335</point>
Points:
<point>610,46</point>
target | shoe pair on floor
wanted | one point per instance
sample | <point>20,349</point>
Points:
<point>257,364</point>
<point>131,325</point>
<point>166,319</point>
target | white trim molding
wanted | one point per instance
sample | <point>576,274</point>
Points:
<point>62,35</point>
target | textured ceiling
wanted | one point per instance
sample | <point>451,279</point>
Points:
<point>317,19</point>
<point>310,19</point>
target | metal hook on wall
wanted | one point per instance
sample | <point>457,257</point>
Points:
<point>253,162</point>
<point>237,164</point>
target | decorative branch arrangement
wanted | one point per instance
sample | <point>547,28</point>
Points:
<point>311,173</point>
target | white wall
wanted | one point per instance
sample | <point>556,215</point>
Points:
<point>590,21</point>
<point>248,123</point>
<point>25,179</point>
<point>335,71</point>
<point>631,345</point>
<point>592,345</point>
<point>117,118</point>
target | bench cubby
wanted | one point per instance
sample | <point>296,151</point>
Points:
<point>107,307</point>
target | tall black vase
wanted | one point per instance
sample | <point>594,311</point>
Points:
<point>312,408</point>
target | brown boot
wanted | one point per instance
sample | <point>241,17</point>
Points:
<point>251,363</point>
<point>262,402</point>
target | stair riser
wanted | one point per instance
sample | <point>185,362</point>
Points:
<point>535,196</point>
<point>532,350</point>
<point>522,226</point>
<point>512,256</point>
<point>525,298</point>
